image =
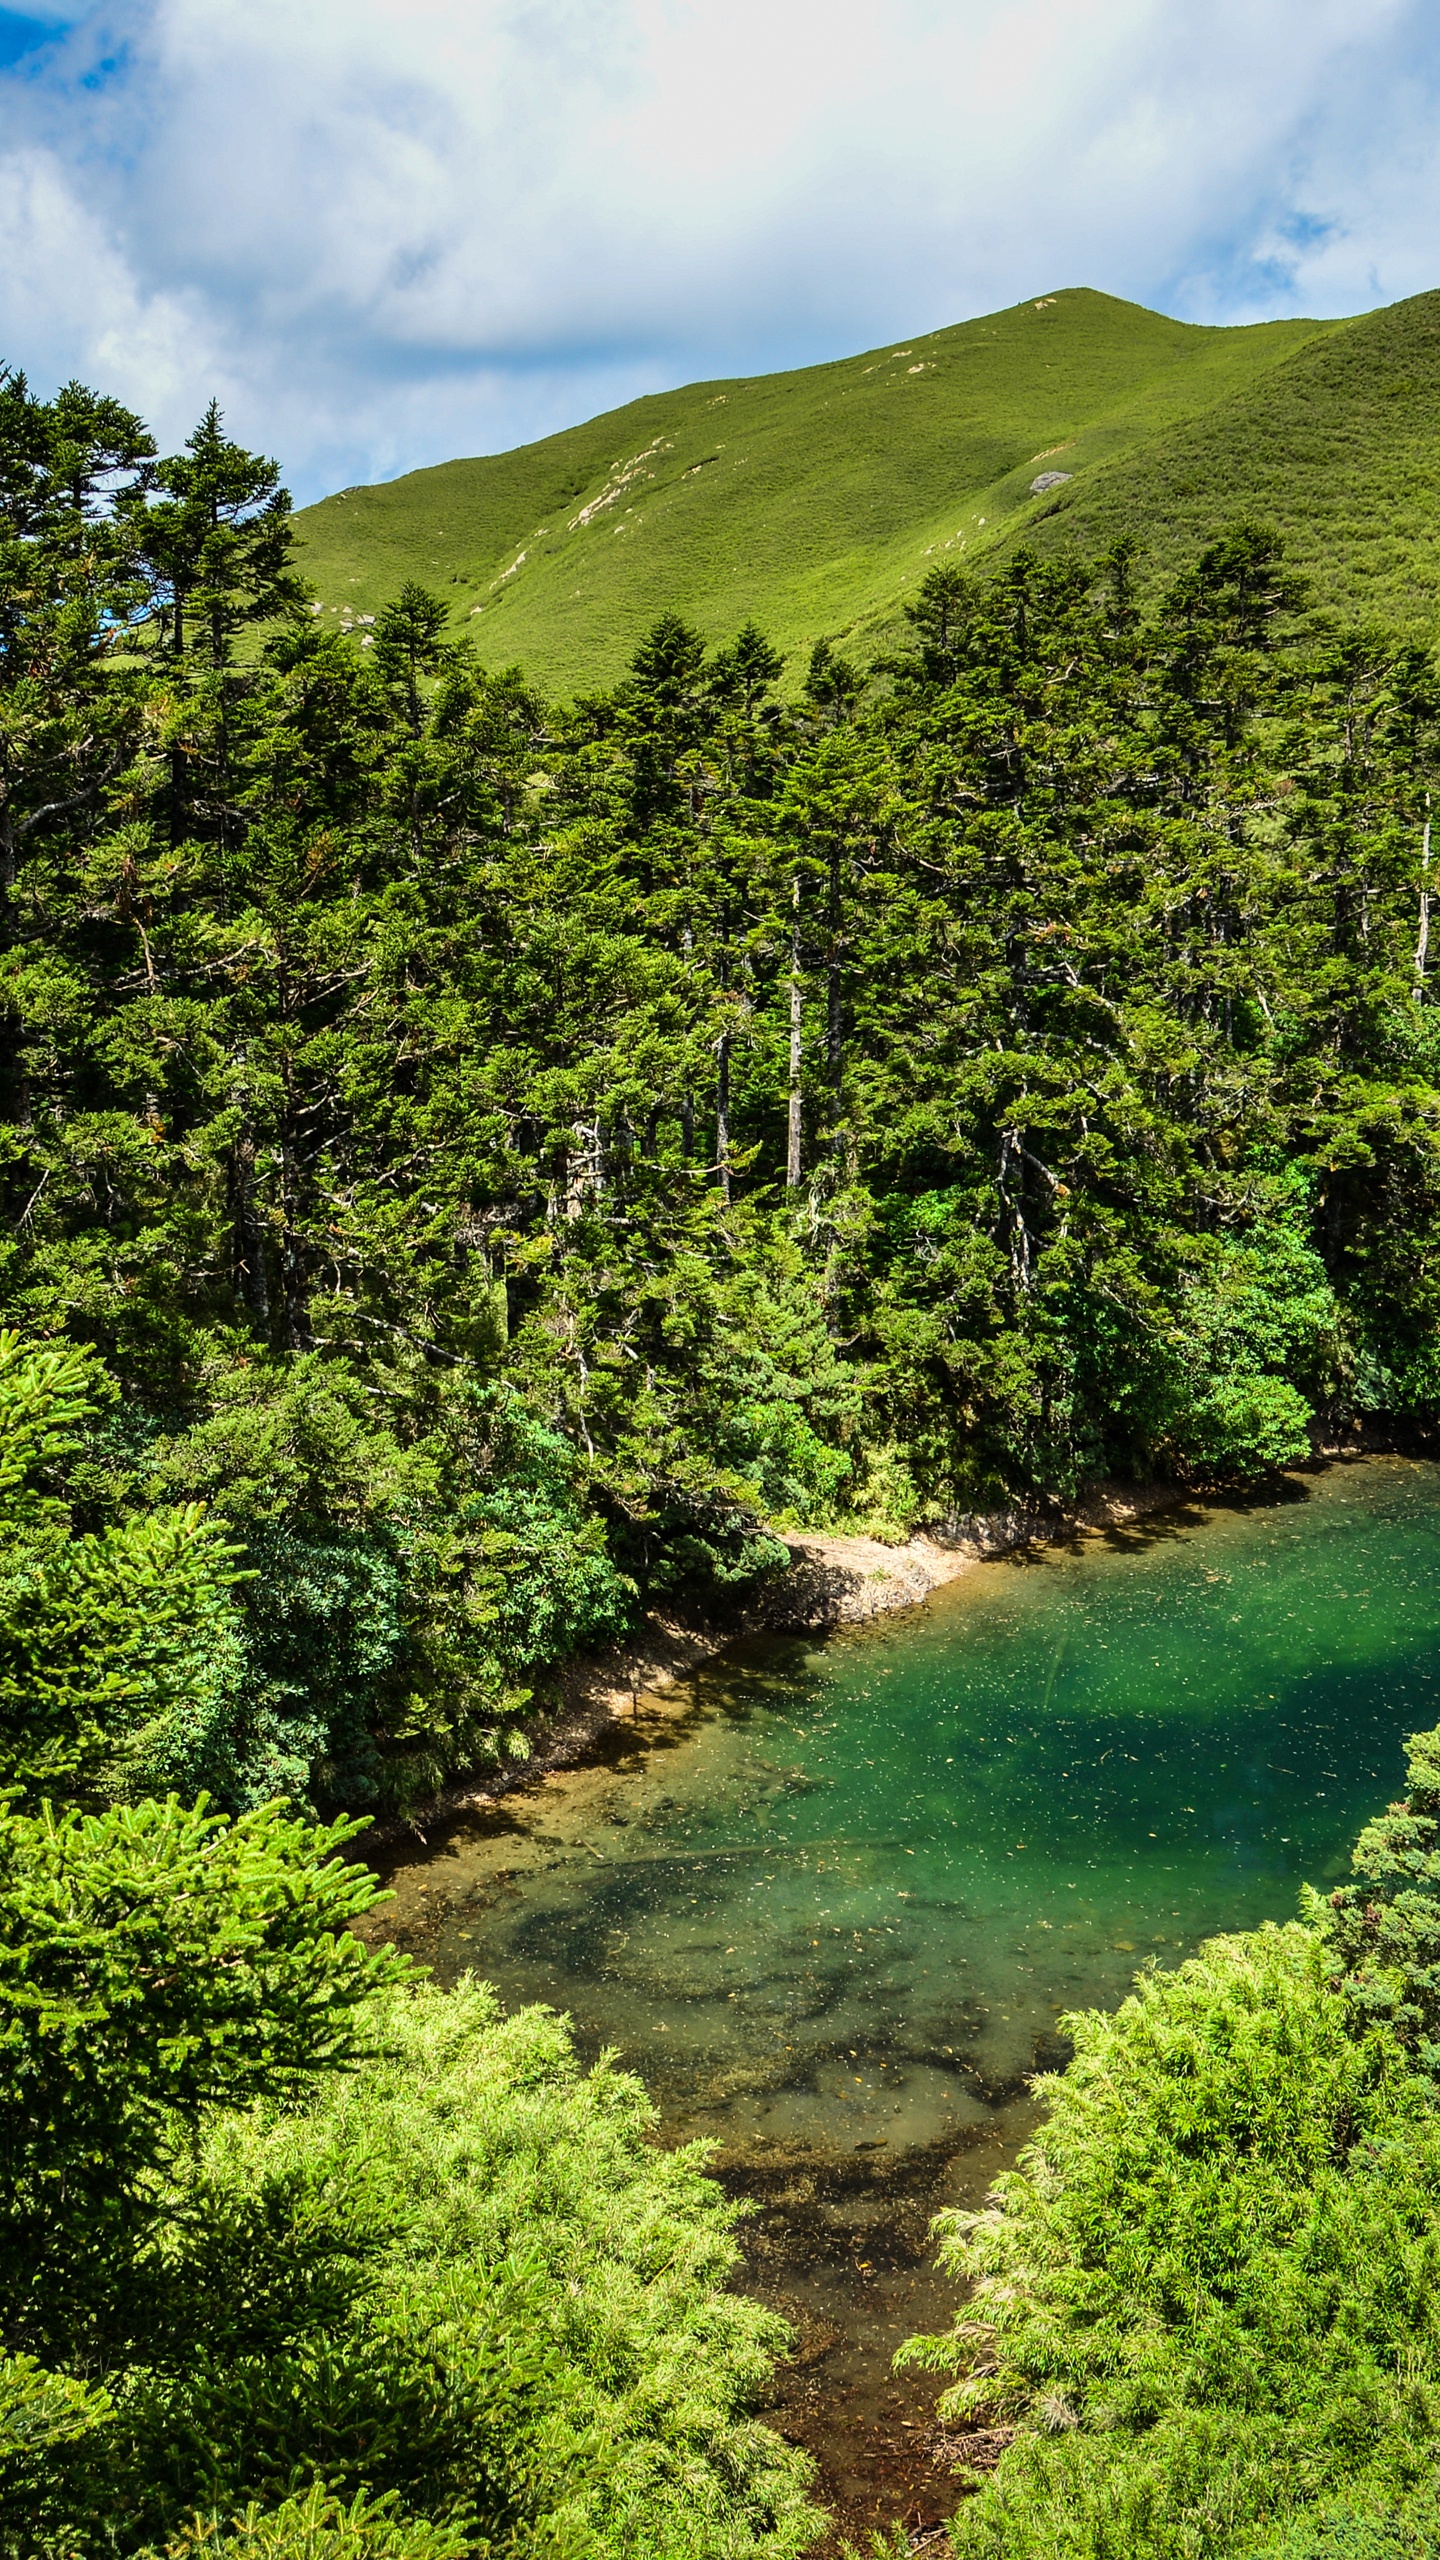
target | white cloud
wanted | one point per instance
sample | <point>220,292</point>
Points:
<point>69,291</point>
<point>389,230</point>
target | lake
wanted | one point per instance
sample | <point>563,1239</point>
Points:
<point>833,1898</point>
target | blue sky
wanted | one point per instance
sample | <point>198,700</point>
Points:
<point>387,231</point>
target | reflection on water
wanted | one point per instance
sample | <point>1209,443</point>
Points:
<point>834,1904</point>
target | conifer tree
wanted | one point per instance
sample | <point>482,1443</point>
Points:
<point>216,538</point>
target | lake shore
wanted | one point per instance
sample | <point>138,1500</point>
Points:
<point>858,2037</point>
<point>833,1581</point>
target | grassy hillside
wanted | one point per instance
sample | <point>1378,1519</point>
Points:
<point>1340,445</point>
<point>811,499</point>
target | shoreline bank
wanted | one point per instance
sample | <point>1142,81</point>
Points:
<point>839,2244</point>
<point>833,1581</point>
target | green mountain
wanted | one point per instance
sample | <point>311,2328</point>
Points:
<point>815,499</point>
<point>811,499</point>
<point>1339,444</point>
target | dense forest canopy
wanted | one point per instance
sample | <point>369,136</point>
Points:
<point>507,1158</point>
<point>474,1165</point>
<point>299,2255</point>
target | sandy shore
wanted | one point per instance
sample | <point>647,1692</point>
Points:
<point>832,1582</point>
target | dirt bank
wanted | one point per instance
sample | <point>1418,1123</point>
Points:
<point>832,1582</point>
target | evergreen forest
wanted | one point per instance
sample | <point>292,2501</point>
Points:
<point>478,1168</point>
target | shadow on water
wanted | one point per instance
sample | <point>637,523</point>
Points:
<point>834,1898</point>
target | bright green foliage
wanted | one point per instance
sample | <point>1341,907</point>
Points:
<point>1209,2294</point>
<point>598,2377</point>
<point>1383,1931</point>
<point>119,1652</point>
<point>1407,2528</point>
<point>1251,1315</point>
<point>320,2526</point>
<point>382,1594</point>
<point>456,2286</point>
<point>46,2419</point>
<point>402,1593</point>
<point>154,1964</point>
<point>296,2254</point>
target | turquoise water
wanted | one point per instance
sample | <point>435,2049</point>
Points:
<point>857,1882</point>
<point>846,1895</point>
<point>833,1899</point>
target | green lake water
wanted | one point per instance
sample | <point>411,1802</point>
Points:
<point>835,1908</point>
<point>852,1891</point>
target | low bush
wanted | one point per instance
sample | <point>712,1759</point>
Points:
<point>1208,2299</point>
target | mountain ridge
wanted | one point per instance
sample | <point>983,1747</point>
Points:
<point>811,499</point>
<point>1337,447</point>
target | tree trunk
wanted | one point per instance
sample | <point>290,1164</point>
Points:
<point>295,1285</point>
<point>835,994</point>
<point>722,1069</point>
<point>1012,1171</point>
<point>796,1123</point>
<point>687,1099</point>
<point>583,1175</point>
<point>722,1115</point>
<point>294,1275</point>
<point>1422,943</point>
<point>252,1285</point>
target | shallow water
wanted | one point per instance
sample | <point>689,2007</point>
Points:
<point>836,1903</point>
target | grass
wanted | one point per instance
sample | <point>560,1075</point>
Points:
<point>815,499</point>
<point>1337,445</point>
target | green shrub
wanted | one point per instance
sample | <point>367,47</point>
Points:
<point>510,2315</point>
<point>119,1649</point>
<point>274,2213</point>
<point>1383,1931</point>
<point>319,2526</point>
<point>1210,2295</point>
<point>537,2232</point>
